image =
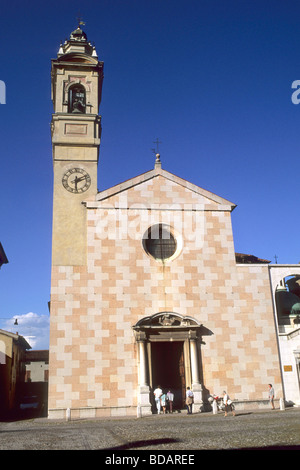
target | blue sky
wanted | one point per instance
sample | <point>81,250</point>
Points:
<point>211,79</point>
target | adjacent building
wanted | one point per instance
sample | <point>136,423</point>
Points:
<point>37,365</point>
<point>13,348</point>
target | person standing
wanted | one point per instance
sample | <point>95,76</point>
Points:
<point>170,396</point>
<point>189,400</point>
<point>157,394</point>
<point>228,404</point>
<point>271,396</point>
<point>163,402</point>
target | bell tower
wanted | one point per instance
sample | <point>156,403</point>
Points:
<point>76,86</point>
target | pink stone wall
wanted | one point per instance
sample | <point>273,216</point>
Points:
<point>93,354</point>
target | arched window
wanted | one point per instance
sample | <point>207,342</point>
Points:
<point>76,101</point>
<point>287,297</point>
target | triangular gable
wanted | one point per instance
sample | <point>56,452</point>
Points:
<point>158,186</point>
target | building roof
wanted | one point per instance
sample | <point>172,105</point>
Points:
<point>159,172</point>
<point>250,259</point>
<point>37,355</point>
<point>3,258</point>
<point>17,338</point>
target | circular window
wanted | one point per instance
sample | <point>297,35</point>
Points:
<point>159,242</point>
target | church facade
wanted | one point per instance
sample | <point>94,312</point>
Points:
<point>146,286</point>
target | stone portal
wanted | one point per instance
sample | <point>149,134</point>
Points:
<point>169,356</point>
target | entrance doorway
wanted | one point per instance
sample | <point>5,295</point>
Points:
<point>167,369</point>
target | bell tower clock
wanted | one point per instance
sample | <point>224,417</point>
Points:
<point>76,86</point>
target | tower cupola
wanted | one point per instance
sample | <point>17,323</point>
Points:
<point>77,43</point>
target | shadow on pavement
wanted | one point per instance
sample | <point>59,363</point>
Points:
<point>137,444</point>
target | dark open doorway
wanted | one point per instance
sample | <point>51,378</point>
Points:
<point>167,359</point>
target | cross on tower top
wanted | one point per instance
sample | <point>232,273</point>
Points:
<point>79,20</point>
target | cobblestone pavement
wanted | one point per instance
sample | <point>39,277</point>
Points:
<point>181,432</point>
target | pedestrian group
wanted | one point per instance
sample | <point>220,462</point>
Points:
<point>164,400</point>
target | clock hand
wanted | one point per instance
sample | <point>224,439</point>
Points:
<point>77,179</point>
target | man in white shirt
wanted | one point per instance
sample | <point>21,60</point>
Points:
<point>189,400</point>
<point>157,394</point>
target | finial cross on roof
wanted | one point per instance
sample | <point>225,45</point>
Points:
<point>157,142</point>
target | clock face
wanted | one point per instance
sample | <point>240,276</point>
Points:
<point>76,180</point>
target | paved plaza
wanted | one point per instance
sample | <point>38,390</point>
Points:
<point>180,432</point>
